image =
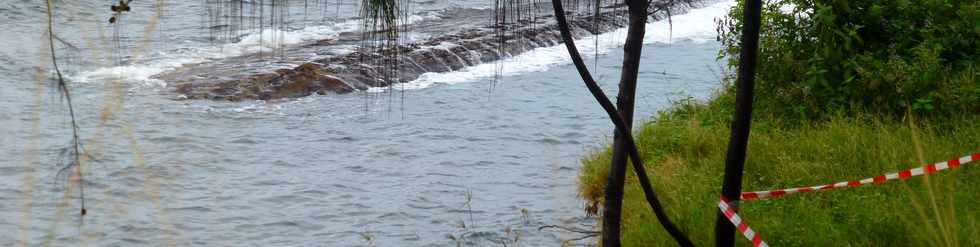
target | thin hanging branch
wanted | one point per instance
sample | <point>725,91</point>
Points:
<point>66,93</point>
<point>621,128</point>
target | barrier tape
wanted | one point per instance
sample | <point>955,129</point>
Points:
<point>932,168</point>
<point>740,224</point>
<point>725,206</point>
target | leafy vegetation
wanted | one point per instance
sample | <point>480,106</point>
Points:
<point>844,90</point>
<point>820,56</point>
<point>685,152</point>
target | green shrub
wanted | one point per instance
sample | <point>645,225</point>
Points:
<point>885,56</point>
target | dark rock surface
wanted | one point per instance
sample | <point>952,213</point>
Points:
<point>366,68</point>
<point>305,80</point>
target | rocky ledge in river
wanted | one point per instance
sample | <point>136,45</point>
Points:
<point>304,80</point>
<point>359,70</point>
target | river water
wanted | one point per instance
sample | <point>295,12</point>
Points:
<point>457,155</point>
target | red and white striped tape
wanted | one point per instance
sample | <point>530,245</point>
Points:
<point>740,224</point>
<point>725,206</point>
<point>932,168</point>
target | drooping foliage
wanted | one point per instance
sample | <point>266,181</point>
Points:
<point>383,21</point>
<point>820,56</point>
<point>75,150</point>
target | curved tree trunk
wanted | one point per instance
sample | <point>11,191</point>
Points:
<point>622,131</point>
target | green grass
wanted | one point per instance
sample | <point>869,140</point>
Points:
<point>685,148</point>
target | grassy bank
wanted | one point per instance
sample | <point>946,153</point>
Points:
<point>685,148</point>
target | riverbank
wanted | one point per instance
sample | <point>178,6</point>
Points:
<point>685,146</point>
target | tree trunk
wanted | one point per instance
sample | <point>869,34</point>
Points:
<point>621,128</point>
<point>612,209</point>
<point>735,158</point>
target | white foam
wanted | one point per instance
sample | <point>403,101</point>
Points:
<point>141,73</point>
<point>265,40</point>
<point>256,41</point>
<point>696,25</point>
<point>428,16</point>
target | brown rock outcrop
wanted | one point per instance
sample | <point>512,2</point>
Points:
<point>304,80</point>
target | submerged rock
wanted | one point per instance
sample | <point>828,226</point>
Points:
<point>360,70</point>
<point>301,81</point>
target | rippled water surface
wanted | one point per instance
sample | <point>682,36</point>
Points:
<point>389,168</point>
